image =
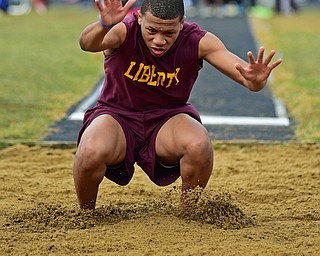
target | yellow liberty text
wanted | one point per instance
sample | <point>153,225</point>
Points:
<point>149,75</point>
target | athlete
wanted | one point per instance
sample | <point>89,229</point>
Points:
<point>152,60</point>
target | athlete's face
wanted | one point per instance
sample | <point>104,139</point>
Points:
<point>159,34</point>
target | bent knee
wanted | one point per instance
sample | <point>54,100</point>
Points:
<point>199,145</point>
<point>87,156</point>
<point>97,152</point>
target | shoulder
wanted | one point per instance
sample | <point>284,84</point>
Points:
<point>189,36</point>
<point>210,44</point>
<point>131,22</point>
<point>192,29</point>
<point>125,32</point>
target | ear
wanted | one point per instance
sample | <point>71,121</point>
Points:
<point>182,22</point>
<point>139,17</point>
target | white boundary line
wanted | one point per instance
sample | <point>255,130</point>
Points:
<point>245,120</point>
<point>281,118</point>
<point>78,113</point>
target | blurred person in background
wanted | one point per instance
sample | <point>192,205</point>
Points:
<point>40,6</point>
<point>23,7</point>
<point>4,4</point>
<point>222,6</point>
<point>286,7</point>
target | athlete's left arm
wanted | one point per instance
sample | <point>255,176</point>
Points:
<point>252,74</point>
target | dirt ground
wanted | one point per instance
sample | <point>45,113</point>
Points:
<point>261,200</point>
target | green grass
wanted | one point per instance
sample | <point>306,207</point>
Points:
<point>42,70</point>
<point>297,80</point>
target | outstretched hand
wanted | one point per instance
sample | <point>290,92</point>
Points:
<point>112,11</point>
<point>258,71</point>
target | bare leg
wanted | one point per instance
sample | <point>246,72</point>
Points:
<point>103,143</point>
<point>183,139</point>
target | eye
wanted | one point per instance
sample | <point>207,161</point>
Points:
<point>151,30</point>
<point>169,34</point>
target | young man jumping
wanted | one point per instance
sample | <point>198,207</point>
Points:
<point>152,61</point>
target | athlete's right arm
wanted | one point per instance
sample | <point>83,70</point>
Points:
<point>96,37</point>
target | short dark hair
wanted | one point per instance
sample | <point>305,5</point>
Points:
<point>164,9</point>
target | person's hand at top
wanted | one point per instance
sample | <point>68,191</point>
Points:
<point>257,71</point>
<point>112,11</point>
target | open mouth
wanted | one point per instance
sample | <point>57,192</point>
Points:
<point>157,51</point>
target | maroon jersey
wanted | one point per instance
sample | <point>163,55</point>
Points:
<point>135,80</point>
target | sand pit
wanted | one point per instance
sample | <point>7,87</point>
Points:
<point>261,200</point>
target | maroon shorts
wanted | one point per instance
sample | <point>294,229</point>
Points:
<point>140,129</point>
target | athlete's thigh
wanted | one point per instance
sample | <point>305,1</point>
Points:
<point>106,137</point>
<point>175,135</point>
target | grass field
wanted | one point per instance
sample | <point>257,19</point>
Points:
<point>43,72</point>
<point>297,81</point>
